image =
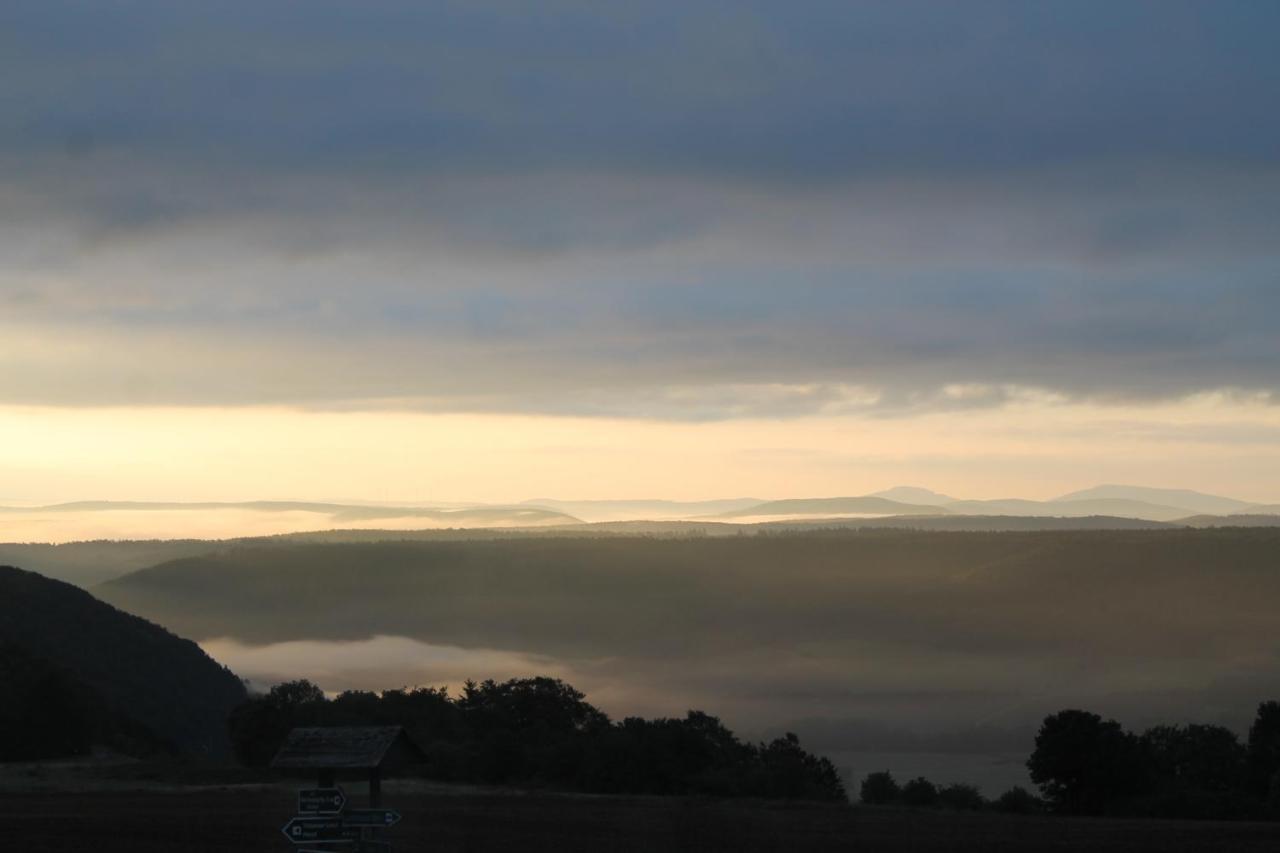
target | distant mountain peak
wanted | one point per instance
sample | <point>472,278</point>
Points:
<point>914,495</point>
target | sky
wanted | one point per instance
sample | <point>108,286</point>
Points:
<point>493,251</point>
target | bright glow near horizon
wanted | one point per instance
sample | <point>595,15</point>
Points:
<point>1035,449</point>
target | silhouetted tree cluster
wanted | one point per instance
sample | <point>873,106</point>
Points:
<point>881,789</point>
<point>542,732</point>
<point>1087,765</point>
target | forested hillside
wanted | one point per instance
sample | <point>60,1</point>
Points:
<point>634,593</point>
<point>844,629</point>
<point>98,664</point>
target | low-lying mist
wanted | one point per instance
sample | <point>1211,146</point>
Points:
<point>105,520</point>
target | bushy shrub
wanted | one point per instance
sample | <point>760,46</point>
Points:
<point>961,797</point>
<point>879,789</point>
<point>920,793</point>
<point>1018,800</point>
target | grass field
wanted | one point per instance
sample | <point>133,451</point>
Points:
<point>246,819</point>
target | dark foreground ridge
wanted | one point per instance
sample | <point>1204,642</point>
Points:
<point>79,673</point>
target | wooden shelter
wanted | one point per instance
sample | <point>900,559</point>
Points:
<point>330,750</point>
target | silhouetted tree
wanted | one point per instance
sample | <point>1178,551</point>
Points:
<point>259,725</point>
<point>521,704</point>
<point>1083,764</point>
<point>1194,771</point>
<point>1264,751</point>
<point>1202,757</point>
<point>879,789</point>
<point>792,773</point>
<point>295,694</point>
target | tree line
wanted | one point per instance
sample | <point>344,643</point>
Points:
<point>1085,765</point>
<point>542,732</point>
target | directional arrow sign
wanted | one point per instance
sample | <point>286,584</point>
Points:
<point>371,817</point>
<point>321,801</point>
<point>304,830</point>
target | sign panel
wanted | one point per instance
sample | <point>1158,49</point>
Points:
<point>321,801</point>
<point>371,817</point>
<point>305,830</point>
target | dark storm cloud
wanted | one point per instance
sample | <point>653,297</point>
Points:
<point>689,210</point>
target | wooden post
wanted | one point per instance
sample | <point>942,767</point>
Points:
<point>326,779</point>
<point>375,788</point>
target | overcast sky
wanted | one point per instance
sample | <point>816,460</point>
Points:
<point>817,216</point>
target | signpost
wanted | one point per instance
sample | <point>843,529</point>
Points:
<point>325,821</point>
<point>360,827</point>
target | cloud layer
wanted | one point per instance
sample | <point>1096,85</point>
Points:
<point>690,210</point>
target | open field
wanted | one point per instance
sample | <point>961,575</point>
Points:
<point>246,820</point>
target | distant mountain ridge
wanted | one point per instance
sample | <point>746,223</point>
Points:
<point>1136,502</point>
<point>1195,502</point>
<point>105,539</point>
<point>1071,508</point>
<point>646,510</point>
<point>864,505</point>
<point>340,512</point>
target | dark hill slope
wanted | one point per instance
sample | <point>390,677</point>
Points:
<point>140,670</point>
<point>47,712</point>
